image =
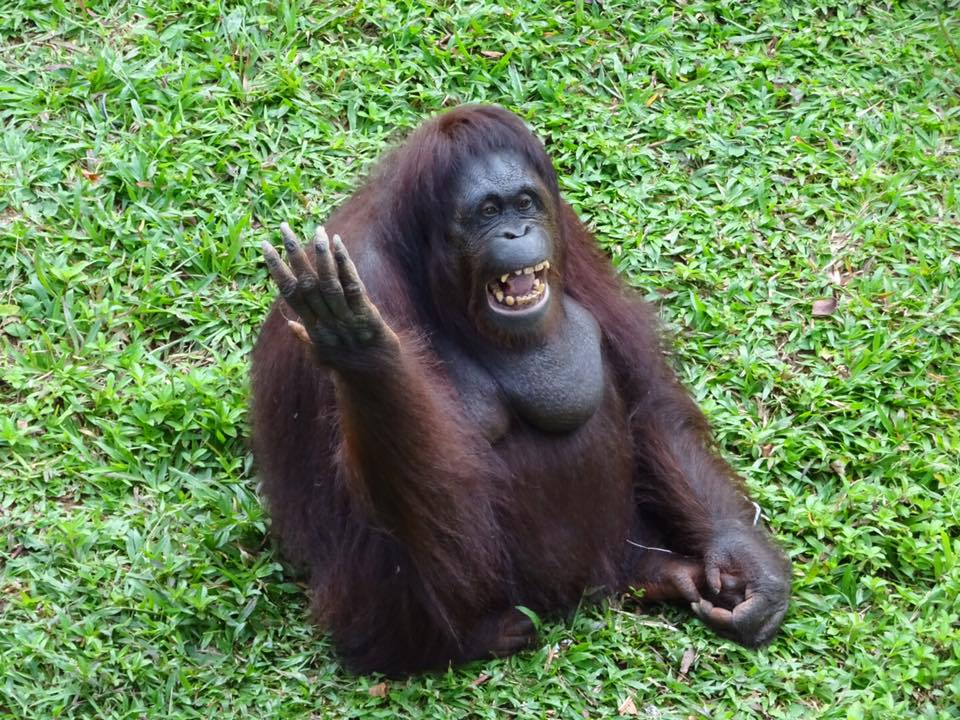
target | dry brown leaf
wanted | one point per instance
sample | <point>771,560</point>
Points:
<point>551,654</point>
<point>628,707</point>
<point>481,679</point>
<point>824,307</point>
<point>492,54</point>
<point>689,655</point>
<point>379,690</point>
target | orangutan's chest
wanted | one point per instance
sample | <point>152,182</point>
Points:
<point>555,387</point>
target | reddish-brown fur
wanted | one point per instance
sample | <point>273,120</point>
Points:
<point>416,531</point>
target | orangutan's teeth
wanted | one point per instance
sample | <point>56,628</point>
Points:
<point>546,264</point>
<point>538,267</point>
<point>533,296</point>
<point>504,277</point>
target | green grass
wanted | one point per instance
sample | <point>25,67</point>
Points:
<point>738,160</point>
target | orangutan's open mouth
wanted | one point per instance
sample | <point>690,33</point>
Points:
<point>520,289</point>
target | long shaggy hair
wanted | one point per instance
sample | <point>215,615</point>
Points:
<point>414,529</point>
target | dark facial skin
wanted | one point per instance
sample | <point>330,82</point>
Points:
<point>506,237</point>
<point>504,228</point>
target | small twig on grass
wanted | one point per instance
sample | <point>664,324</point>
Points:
<point>946,36</point>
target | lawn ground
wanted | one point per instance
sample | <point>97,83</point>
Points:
<point>740,162</point>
